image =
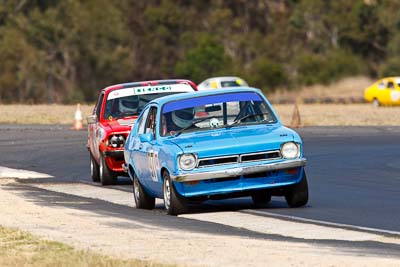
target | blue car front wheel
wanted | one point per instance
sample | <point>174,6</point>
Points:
<point>261,198</point>
<point>173,202</point>
<point>297,195</point>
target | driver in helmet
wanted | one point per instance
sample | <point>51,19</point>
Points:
<point>128,104</point>
<point>177,120</point>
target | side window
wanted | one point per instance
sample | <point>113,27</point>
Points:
<point>390,85</point>
<point>151,121</point>
<point>98,105</point>
<point>381,85</point>
<point>142,122</point>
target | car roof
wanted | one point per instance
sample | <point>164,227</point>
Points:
<point>225,78</point>
<point>166,99</point>
<point>390,77</point>
<point>149,83</point>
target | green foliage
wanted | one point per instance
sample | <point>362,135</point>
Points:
<point>66,51</point>
<point>334,65</point>
<point>61,52</point>
<point>391,67</point>
<point>206,59</point>
<point>267,75</point>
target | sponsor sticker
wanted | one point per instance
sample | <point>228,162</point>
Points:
<point>153,163</point>
<point>143,90</point>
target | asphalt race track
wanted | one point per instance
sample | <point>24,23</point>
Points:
<point>353,172</point>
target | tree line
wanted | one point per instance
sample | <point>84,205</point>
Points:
<point>65,51</point>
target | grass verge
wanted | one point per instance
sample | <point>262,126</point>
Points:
<point>41,114</point>
<point>341,115</point>
<point>19,248</point>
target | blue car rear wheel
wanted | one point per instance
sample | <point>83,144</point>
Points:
<point>142,199</point>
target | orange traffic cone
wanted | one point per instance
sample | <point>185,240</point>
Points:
<point>296,121</point>
<point>78,123</point>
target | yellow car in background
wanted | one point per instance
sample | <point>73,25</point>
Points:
<point>386,91</point>
<point>221,82</point>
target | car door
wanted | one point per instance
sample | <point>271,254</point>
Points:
<point>134,146</point>
<point>145,152</point>
<point>385,96</point>
<point>93,132</point>
<point>394,93</point>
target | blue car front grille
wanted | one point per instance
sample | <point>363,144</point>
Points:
<point>218,161</point>
<point>232,159</point>
<point>270,155</point>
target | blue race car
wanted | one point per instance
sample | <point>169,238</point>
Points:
<point>210,145</point>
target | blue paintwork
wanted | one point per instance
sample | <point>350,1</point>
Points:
<point>216,142</point>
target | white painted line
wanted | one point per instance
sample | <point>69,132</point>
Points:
<point>324,223</point>
<point>21,174</point>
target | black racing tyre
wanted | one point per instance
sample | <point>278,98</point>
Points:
<point>297,194</point>
<point>142,199</point>
<point>94,169</point>
<point>261,198</point>
<point>173,202</point>
<point>107,176</point>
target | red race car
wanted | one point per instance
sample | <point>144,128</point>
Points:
<point>116,110</point>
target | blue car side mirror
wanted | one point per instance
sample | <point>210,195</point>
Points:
<point>146,138</point>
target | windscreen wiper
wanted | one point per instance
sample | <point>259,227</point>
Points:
<point>245,117</point>
<point>192,125</point>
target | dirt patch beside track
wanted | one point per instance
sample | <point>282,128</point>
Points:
<point>58,212</point>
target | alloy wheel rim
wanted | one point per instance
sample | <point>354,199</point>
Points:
<point>91,167</point>
<point>101,169</point>
<point>136,190</point>
<point>167,194</point>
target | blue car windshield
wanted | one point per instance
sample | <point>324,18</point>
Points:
<point>214,111</point>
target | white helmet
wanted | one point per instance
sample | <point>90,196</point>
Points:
<point>128,104</point>
<point>183,118</point>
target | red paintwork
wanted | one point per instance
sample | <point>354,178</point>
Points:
<point>98,147</point>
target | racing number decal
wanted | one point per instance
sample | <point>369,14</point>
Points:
<point>153,164</point>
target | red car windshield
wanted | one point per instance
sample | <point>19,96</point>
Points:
<point>127,106</point>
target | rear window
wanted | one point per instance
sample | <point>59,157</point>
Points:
<point>233,83</point>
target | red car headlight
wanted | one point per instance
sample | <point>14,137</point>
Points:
<point>116,141</point>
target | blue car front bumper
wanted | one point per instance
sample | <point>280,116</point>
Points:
<point>239,171</point>
<point>240,179</point>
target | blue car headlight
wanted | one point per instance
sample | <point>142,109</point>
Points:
<point>187,162</point>
<point>290,150</point>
